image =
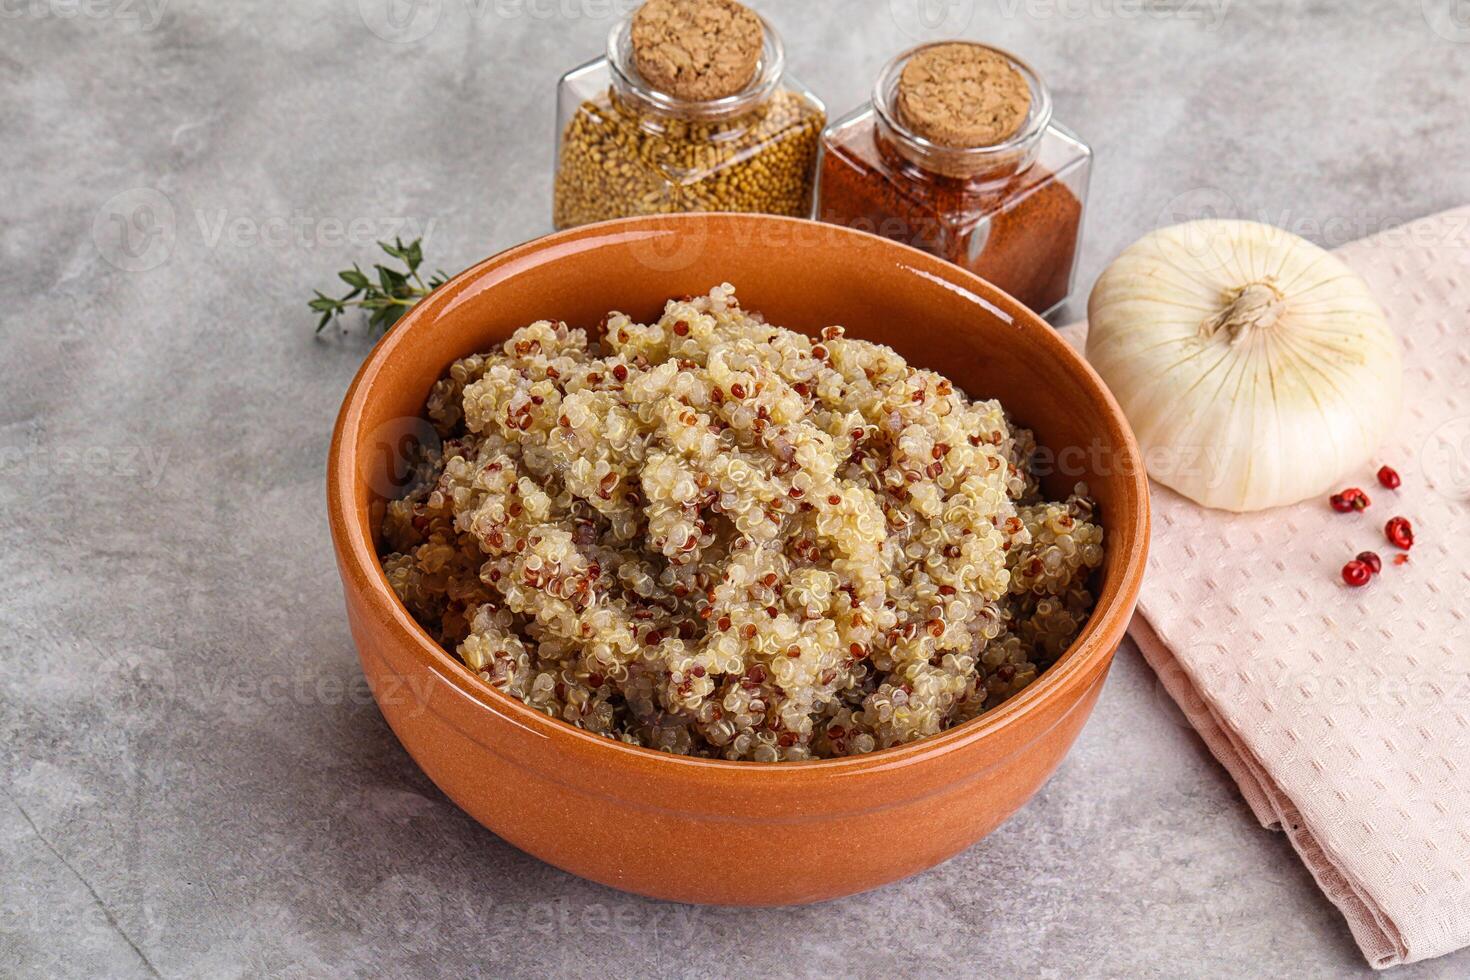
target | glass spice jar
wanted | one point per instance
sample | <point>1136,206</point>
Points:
<point>628,147</point>
<point>1009,210</point>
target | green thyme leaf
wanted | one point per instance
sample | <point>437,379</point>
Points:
<point>354,278</point>
<point>385,298</point>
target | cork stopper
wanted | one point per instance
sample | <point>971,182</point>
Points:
<point>697,50</point>
<point>962,95</point>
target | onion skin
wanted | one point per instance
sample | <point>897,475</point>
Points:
<point>1255,368</point>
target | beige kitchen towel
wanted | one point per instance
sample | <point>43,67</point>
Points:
<point>1344,714</point>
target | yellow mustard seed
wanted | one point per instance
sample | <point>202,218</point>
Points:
<point>616,160</point>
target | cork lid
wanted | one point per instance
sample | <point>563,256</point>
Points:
<point>697,49</point>
<point>962,95</point>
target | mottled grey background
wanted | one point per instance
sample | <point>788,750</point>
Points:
<point>195,782</point>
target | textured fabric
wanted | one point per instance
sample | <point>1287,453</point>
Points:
<point>1344,714</point>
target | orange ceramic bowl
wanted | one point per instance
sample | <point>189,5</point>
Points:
<point>709,831</point>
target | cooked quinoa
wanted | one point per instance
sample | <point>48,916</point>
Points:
<point>718,537</point>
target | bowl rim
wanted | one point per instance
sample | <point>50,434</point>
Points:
<point>361,567</point>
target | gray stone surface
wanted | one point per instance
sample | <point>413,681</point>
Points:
<point>195,782</point>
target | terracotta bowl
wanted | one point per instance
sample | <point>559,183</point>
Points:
<point>694,830</point>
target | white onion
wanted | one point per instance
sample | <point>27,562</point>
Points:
<point>1256,368</point>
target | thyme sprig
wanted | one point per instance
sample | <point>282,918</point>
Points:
<point>386,295</point>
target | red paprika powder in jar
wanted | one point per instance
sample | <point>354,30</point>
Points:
<point>957,154</point>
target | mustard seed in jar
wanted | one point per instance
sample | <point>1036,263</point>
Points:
<point>689,111</point>
<point>714,536</point>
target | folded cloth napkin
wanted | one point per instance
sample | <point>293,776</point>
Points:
<point>1344,714</point>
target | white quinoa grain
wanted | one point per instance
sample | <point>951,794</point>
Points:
<point>714,536</point>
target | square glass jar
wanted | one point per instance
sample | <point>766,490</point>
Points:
<point>1011,213</point>
<point>625,148</point>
